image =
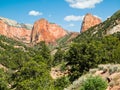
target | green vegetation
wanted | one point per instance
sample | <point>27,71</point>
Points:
<point>94,83</point>
<point>28,68</point>
<point>3,80</point>
<point>33,76</point>
<point>61,83</point>
<point>93,47</point>
<point>58,57</point>
<point>85,55</point>
<point>99,31</point>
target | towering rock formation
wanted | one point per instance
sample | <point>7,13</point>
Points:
<point>42,31</point>
<point>14,30</point>
<point>89,21</point>
<point>45,31</point>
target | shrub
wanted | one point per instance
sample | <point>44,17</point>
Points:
<point>94,83</point>
<point>61,83</point>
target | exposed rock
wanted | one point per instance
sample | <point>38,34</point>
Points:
<point>3,67</point>
<point>115,88</point>
<point>57,31</point>
<point>57,73</point>
<point>14,30</point>
<point>16,24</point>
<point>115,29</point>
<point>44,31</point>
<point>89,21</point>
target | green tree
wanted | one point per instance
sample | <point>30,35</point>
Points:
<point>58,57</point>
<point>33,76</point>
<point>61,83</point>
<point>43,50</point>
<point>81,57</point>
<point>3,80</point>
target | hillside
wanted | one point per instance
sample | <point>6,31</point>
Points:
<point>26,68</point>
<point>20,64</point>
<point>106,71</point>
<point>110,26</point>
<point>30,68</point>
<point>99,44</point>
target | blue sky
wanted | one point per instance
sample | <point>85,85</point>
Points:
<point>66,13</point>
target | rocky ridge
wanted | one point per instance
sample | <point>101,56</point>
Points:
<point>42,31</point>
<point>89,21</point>
<point>45,31</point>
<point>14,30</point>
<point>16,24</point>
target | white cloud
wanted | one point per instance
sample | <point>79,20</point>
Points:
<point>35,13</point>
<point>73,18</point>
<point>82,4</point>
<point>71,25</point>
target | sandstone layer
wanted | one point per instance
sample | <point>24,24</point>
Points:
<point>45,31</point>
<point>89,21</point>
<point>14,30</point>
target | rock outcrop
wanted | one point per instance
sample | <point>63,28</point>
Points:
<point>42,31</point>
<point>115,29</point>
<point>89,21</point>
<point>14,30</point>
<point>45,31</point>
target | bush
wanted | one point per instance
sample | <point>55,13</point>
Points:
<point>94,83</point>
<point>61,83</point>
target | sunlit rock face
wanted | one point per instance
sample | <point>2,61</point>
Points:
<point>115,29</point>
<point>89,21</point>
<point>45,31</point>
<point>14,30</point>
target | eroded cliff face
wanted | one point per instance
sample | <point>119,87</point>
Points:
<point>42,31</point>
<point>14,30</point>
<point>89,21</point>
<point>45,31</point>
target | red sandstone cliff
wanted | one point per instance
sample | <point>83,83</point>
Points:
<point>14,30</point>
<point>42,31</point>
<point>45,31</point>
<point>89,21</point>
